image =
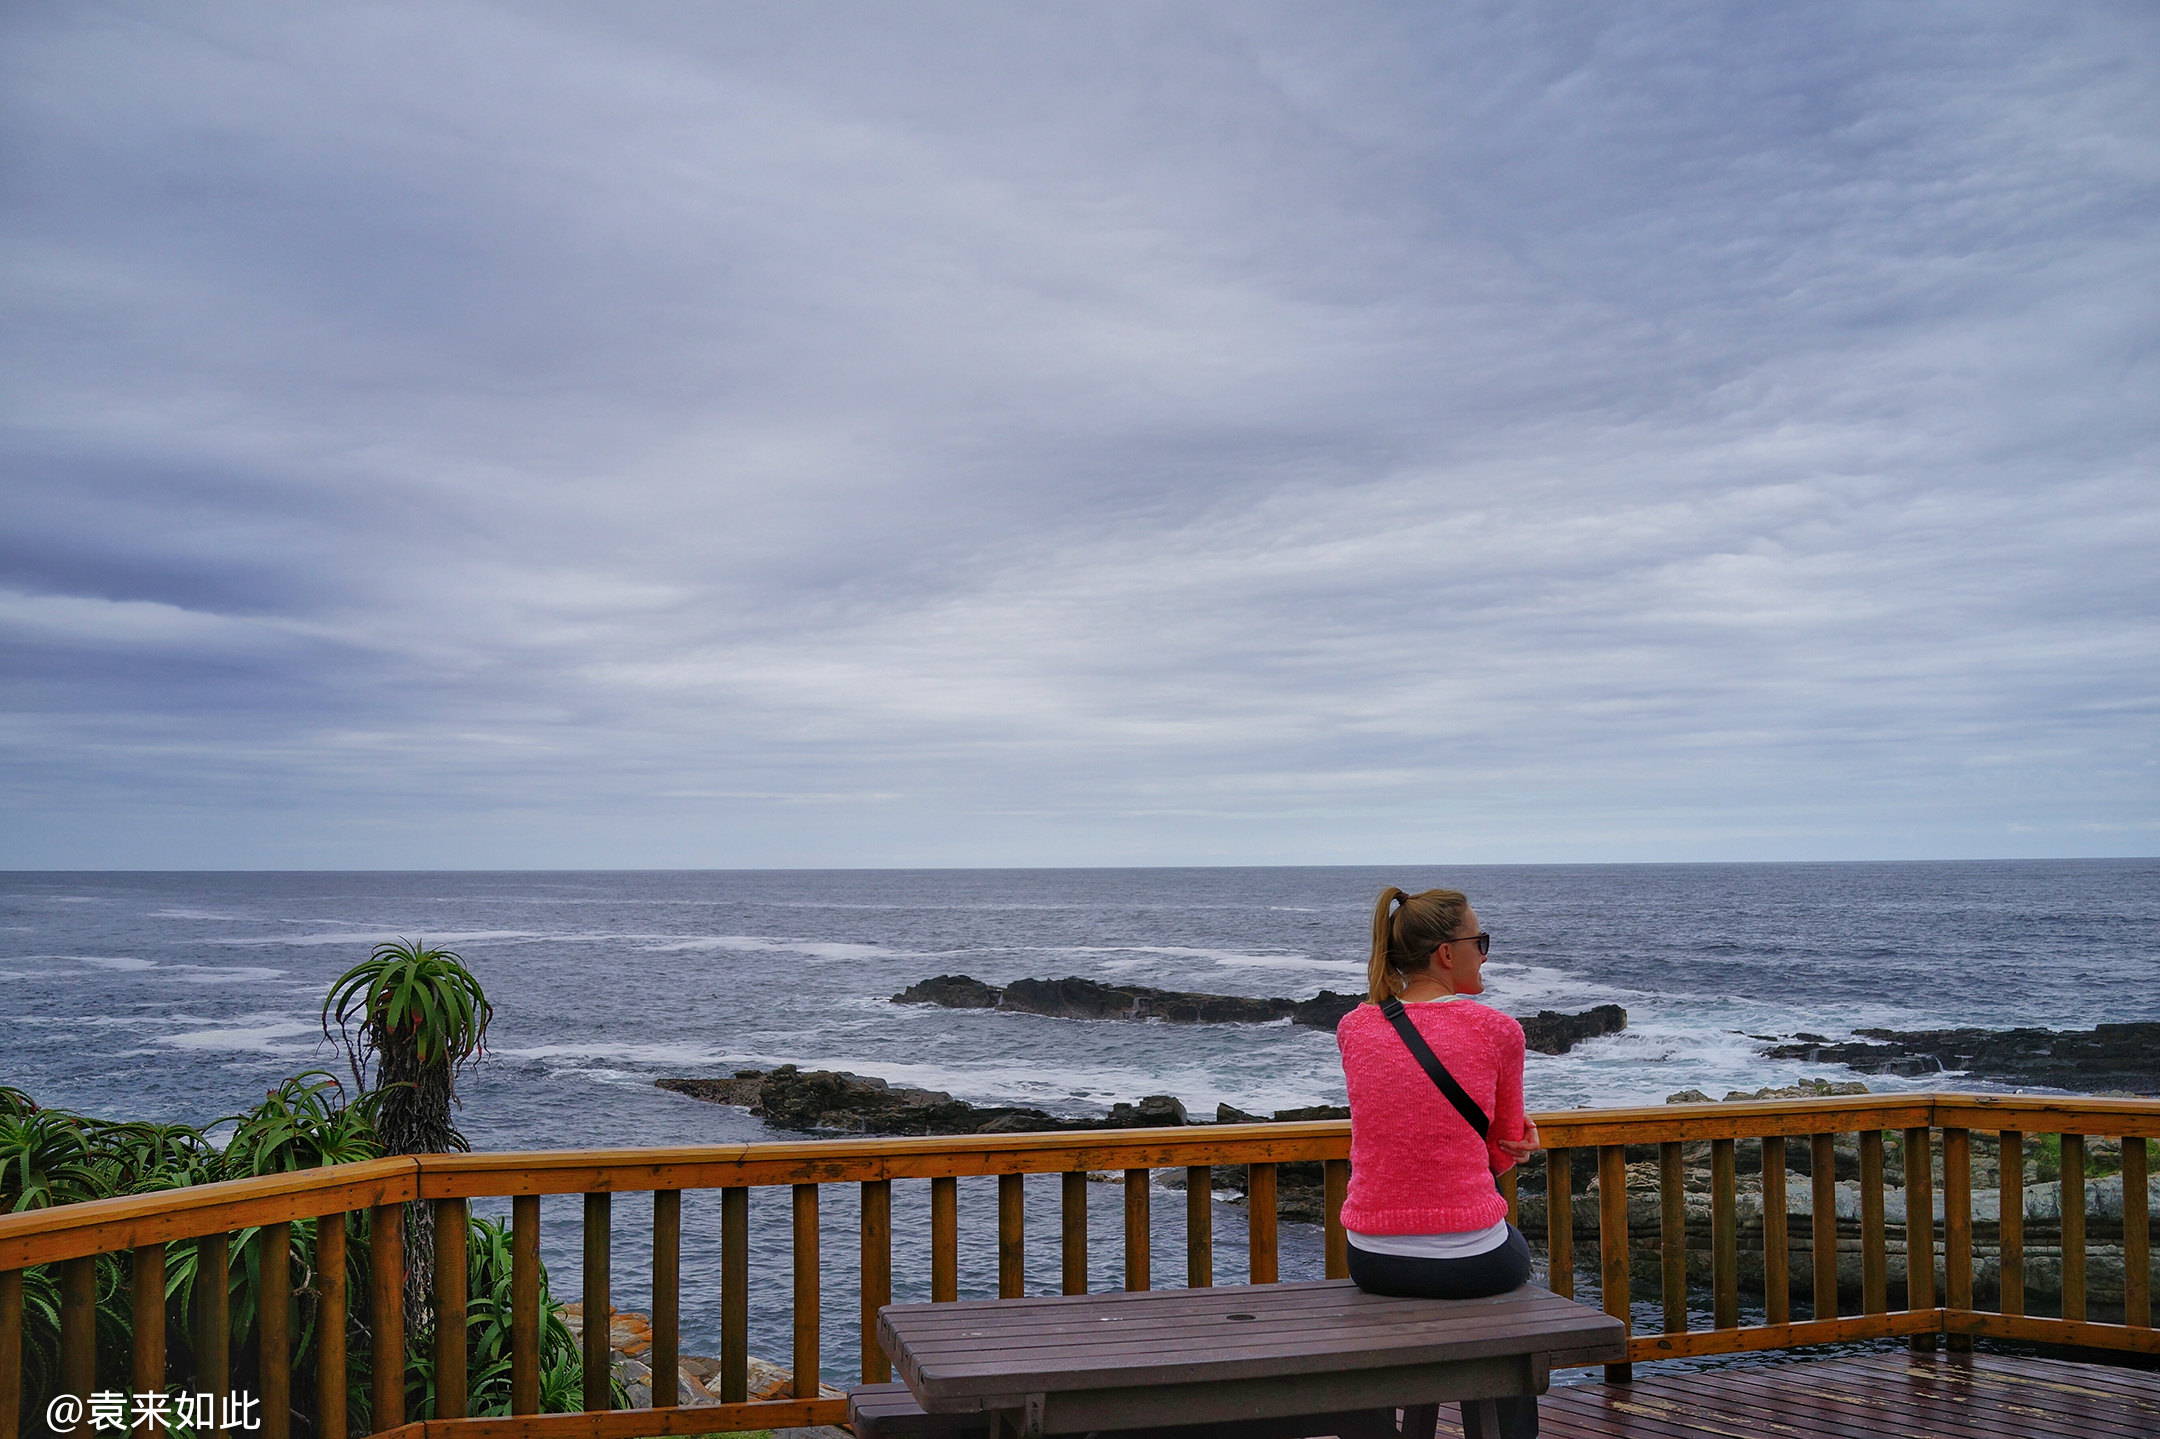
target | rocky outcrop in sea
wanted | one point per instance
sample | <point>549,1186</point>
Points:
<point>791,1097</point>
<point>839,1103</point>
<point>2107,1057</point>
<point>1547,1032</point>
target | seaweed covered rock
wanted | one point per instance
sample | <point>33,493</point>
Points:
<point>1547,1032</point>
<point>1551,1032</point>
<point>2106,1057</point>
<point>813,1100</point>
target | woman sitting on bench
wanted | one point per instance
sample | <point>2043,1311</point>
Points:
<point>1436,1111</point>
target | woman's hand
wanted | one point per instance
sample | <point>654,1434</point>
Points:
<point>1521,1149</point>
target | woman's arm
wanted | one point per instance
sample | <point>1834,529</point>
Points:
<point>1512,1138</point>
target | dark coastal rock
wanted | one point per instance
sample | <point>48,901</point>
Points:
<point>1157,1111</point>
<point>2122,1057</point>
<point>1548,1032</point>
<point>741,1090</point>
<point>1225,1114</point>
<point>1076,998</point>
<point>1325,1009</point>
<point>1313,1111</point>
<point>954,991</point>
<point>1551,1032</point>
<point>791,1097</point>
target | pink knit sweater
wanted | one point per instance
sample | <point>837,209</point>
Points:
<point>1416,1166</point>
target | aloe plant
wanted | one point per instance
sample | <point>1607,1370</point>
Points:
<point>418,1016</point>
<point>49,1157</point>
<point>304,1123</point>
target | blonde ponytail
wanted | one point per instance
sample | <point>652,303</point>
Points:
<point>1405,934</point>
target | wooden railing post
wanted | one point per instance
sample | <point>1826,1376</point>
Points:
<point>1957,1228</point>
<point>1260,1216</point>
<point>1874,1238</point>
<point>1724,1237</point>
<point>1336,1174</point>
<point>1137,1235</point>
<point>806,1291</point>
<point>1919,1228</point>
<point>2137,1235</point>
<point>525,1304</point>
<point>1560,1221</point>
<point>332,1305</point>
<point>2010,1192</point>
<point>598,1346</point>
<point>1777,1236</point>
<point>1822,1166</point>
<point>666,1355</point>
<point>450,1309</point>
<point>876,1275</point>
<point>147,1303</point>
<point>273,1319</point>
<point>1672,1235</point>
<point>1073,1235</point>
<point>386,1314</point>
<point>1012,1236</point>
<point>1613,1243</point>
<point>944,1239</point>
<point>1199,1227</point>
<point>213,1320</point>
<point>2073,1226</point>
<point>734,1294</point>
<point>11,1353</point>
<point>78,1331</point>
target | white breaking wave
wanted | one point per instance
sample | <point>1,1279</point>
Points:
<point>378,936</point>
<point>272,1037</point>
<point>762,944</point>
<point>680,1054</point>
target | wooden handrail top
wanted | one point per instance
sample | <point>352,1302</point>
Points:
<point>107,1225</point>
<point>846,1161</point>
<point>1740,1119</point>
<point>2050,1114</point>
<point>102,1226</point>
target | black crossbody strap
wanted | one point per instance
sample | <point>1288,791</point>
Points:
<point>1430,1062</point>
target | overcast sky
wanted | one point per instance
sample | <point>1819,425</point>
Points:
<point>748,435</point>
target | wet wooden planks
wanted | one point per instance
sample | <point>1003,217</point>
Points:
<point>1885,1396</point>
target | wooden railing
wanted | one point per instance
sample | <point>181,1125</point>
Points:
<point>72,1236</point>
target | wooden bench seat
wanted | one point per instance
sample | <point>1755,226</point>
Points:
<point>888,1411</point>
<point>1268,1361</point>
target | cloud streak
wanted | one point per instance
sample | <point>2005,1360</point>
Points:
<point>484,435</point>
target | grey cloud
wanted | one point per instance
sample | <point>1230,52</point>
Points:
<point>525,435</point>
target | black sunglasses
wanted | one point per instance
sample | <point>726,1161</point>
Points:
<point>1484,941</point>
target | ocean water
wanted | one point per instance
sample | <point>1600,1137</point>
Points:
<point>186,996</point>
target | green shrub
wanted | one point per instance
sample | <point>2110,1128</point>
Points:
<point>50,1157</point>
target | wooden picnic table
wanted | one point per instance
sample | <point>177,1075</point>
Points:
<point>1251,1361</point>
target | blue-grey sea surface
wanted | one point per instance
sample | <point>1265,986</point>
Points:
<point>186,996</point>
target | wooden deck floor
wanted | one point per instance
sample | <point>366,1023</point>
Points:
<point>1876,1396</point>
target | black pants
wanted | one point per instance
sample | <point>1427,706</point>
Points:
<point>1496,1271</point>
